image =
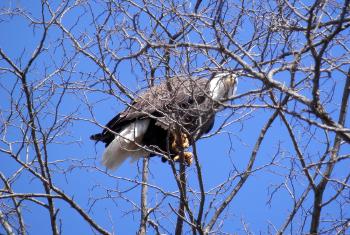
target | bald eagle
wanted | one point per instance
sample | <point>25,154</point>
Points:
<point>165,119</point>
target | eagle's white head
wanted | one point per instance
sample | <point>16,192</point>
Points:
<point>223,85</point>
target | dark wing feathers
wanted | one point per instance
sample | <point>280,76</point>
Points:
<point>158,102</point>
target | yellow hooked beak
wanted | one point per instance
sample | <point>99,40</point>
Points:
<point>230,80</point>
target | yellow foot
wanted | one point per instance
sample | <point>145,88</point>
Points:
<point>184,142</point>
<point>188,158</point>
<point>176,158</point>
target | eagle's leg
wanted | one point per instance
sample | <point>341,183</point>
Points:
<point>188,157</point>
<point>184,141</point>
<point>178,144</point>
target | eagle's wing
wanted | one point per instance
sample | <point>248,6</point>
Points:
<point>159,102</point>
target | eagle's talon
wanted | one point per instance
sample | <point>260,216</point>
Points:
<point>184,142</point>
<point>176,158</point>
<point>187,158</point>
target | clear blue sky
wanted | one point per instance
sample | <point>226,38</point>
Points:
<point>218,155</point>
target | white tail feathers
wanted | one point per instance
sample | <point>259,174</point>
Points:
<point>126,144</point>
